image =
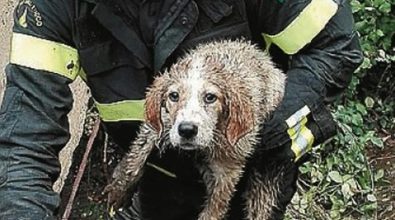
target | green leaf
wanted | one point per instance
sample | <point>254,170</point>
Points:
<point>335,176</point>
<point>356,6</point>
<point>305,169</point>
<point>377,142</point>
<point>385,7</point>
<point>366,64</point>
<point>379,174</point>
<point>334,214</point>
<point>369,102</point>
<point>346,191</point>
<point>380,33</point>
<point>371,198</point>
<point>361,108</point>
<point>329,162</point>
<point>357,120</point>
<point>353,185</point>
<point>369,207</point>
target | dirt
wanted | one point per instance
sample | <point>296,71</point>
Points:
<point>385,191</point>
<point>89,203</point>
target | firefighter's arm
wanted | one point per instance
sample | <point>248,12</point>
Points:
<point>33,119</point>
<point>324,51</point>
<point>42,64</point>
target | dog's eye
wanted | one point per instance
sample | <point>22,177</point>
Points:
<point>174,96</point>
<point>210,98</point>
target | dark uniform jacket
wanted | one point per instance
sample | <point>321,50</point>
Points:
<point>118,46</point>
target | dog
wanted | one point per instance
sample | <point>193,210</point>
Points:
<point>213,100</point>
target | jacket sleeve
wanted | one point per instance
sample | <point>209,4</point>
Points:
<point>323,51</point>
<point>33,115</point>
<point>333,54</point>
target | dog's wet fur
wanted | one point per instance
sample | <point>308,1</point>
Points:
<point>214,101</point>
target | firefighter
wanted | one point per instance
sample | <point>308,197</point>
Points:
<point>118,46</point>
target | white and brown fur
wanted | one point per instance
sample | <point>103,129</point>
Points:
<point>247,87</point>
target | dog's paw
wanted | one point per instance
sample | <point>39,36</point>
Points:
<point>115,196</point>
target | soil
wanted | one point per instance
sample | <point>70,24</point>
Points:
<point>89,203</point>
<point>385,191</point>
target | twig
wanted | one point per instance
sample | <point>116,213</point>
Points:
<point>381,79</point>
<point>105,167</point>
<point>384,158</point>
<point>81,170</point>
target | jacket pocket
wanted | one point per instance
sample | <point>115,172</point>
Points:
<point>219,14</point>
<point>106,56</point>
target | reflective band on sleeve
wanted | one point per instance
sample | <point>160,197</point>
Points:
<point>304,27</point>
<point>292,131</point>
<point>41,54</point>
<point>302,143</point>
<point>82,74</point>
<point>300,135</point>
<point>127,110</point>
<point>298,116</point>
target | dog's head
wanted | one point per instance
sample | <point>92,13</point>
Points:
<point>202,100</point>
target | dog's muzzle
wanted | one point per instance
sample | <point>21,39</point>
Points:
<point>187,130</point>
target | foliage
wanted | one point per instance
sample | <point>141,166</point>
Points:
<point>338,182</point>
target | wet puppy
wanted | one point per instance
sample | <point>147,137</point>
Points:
<point>214,101</point>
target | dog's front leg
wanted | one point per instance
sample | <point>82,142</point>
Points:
<point>221,179</point>
<point>130,168</point>
<point>262,192</point>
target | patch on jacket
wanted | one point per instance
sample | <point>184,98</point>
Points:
<point>24,7</point>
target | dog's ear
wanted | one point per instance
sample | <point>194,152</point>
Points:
<point>153,103</point>
<point>240,117</point>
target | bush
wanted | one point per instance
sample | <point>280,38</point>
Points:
<point>339,182</point>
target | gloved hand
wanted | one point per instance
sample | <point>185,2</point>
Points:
<point>302,119</point>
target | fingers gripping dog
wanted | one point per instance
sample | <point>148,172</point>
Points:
<point>214,101</point>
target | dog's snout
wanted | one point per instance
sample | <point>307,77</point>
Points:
<point>187,130</point>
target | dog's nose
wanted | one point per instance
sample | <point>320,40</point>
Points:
<point>187,130</point>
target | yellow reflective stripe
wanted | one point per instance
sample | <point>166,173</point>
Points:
<point>293,131</point>
<point>82,74</point>
<point>302,143</point>
<point>307,135</point>
<point>304,27</point>
<point>41,54</point>
<point>300,135</point>
<point>298,116</point>
<point>127,110</point>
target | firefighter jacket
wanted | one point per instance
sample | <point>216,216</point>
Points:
<point>118,46</point>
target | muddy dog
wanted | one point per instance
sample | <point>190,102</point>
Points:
<point>214,101</point>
